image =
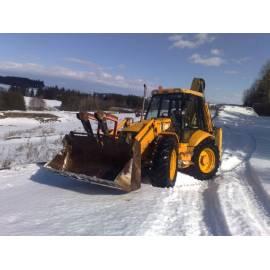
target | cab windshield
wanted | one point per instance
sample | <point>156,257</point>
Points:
<point>163,105</point>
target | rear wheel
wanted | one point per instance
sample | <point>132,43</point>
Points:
<point>165,162</point>
<point>206,160</point>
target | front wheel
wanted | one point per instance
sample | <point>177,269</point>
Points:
<point>165,162</point>
<point>206,160</point>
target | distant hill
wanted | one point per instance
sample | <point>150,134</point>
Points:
<point>21,82</point>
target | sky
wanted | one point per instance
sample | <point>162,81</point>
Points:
<point>122,63</point>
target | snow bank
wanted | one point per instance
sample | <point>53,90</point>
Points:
<point>235,111</point>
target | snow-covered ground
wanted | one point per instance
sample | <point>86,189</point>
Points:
<point>35,201</point>
<point>25,140</point>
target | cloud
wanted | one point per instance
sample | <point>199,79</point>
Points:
<point>83,62</point>
<point>106,75</point>
<point>96,76</point>
<point>216,51</point>
<point>214,61</point>
<point>183,41</point>
<point>119,77</point>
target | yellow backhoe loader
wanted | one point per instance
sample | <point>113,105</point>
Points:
<point>176,132</point>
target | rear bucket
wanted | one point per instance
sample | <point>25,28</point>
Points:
<point>106,161</point>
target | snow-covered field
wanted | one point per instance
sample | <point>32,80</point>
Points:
<point>35,201</point>
<point>26,140</point>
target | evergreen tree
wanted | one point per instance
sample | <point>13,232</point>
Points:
<point>11,100</point>
<point>259,92</point>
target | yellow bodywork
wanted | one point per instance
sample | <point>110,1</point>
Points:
<point>173,165</point>
<point>146,131</point>
<point>218,139</point>
<point>198,136</point>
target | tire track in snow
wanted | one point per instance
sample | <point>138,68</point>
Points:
<point>215,217</point>
<point>188,210</point>
<point>260,194</point>
<point>213,213</point>
<point>257,194</point>
<point>243,214</point>
<point>253,180</point>
<point>180,212</point>
<point>242,198</point>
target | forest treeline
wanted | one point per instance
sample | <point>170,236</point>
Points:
<point>10,100</point>
<point>21,82</point>
<point>258,95</point>
<point>72,100</point>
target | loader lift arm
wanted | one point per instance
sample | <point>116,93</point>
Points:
<point>101,118</point>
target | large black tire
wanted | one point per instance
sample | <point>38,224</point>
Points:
<point>163,171</point>
<point>197,170</point>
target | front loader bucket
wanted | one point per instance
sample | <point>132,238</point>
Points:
<point>105,161</point>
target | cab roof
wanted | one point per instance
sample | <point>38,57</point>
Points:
<point>164,91</point>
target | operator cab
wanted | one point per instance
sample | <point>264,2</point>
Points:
<point>184,109</point>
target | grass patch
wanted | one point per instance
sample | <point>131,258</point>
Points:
<point>41,117</point>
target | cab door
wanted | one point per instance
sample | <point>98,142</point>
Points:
<point>193,116</point>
